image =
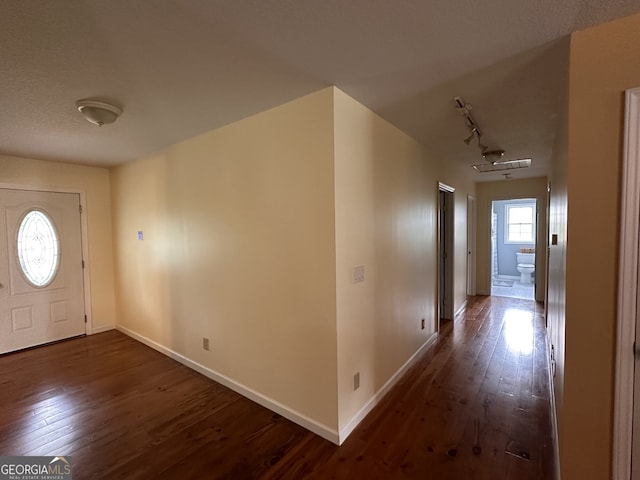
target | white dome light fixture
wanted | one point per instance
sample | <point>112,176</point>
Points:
<point>98,113</point>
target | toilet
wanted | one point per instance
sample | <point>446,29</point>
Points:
<point>526,266</point>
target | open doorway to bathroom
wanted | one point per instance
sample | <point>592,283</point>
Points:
<point>513,242</point>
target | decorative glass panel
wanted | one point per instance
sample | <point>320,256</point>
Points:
<point>38,248</point>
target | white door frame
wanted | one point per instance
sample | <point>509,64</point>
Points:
<point>471,245</point>
<point>627,289</point>
<point>539,240</point>
<point>86,272</point>
<point>446,268</point>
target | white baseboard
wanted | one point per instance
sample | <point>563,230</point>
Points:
<point>460,310</point>
<point>103,328</point>
<point>296,417</point>
<point>379,395</point>
<point>554,413</point>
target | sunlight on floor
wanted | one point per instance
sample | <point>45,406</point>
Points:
<point>518,331</point>
<point>50,419</point>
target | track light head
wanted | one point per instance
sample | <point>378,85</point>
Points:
<point>470,137</point>
<point>483,148</point>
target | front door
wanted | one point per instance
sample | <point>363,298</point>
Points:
<point>41,279</point>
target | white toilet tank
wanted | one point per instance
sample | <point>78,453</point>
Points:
<point>526,258</point>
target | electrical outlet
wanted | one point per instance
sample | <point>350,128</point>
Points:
<point>356,381</point>
<point>422,324</point>
<point>205,343</point>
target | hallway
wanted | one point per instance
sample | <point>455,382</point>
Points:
<point>475,406</point>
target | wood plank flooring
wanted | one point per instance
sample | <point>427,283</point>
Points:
<point>475,406</point>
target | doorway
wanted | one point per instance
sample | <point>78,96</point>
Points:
<point>513,248</point>
<point>446,208</point>
<point>41,277</point>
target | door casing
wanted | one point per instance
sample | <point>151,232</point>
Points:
<point>628,288</point>
<point>446,244</point>
<point>471,245</point>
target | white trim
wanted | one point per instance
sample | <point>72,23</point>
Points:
<point>296,417</point>
<point>472,221</point>
<point>534,207</point>
<point>102,329</point>
<point>554,413</point>
<point>443,187</point>
<point>461,309</point>
<point>627,289</point>
<point>540,241</point>
<point>86,271</point>
<point>379,395</point>
<point>445,270</point>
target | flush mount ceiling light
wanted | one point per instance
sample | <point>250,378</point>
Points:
<point>98,113</point>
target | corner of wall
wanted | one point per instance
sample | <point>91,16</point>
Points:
<point>385,250</point>
<point>238,246</point>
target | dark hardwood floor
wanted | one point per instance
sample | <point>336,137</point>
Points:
<point>475,406</point>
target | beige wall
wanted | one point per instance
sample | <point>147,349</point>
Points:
<point>251,233</point>
<point>503,190</point>
<point>556,306</point>
<point>385,197</point>
<point>94,183</point>
<point>239,247</point>
<point>604,62</point>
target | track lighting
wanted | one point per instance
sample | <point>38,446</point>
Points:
<point>470,137</point>
<point>483,148</point>
<point>464,109</point>
<point>492,157</point>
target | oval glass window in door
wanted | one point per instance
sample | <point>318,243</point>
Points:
<point>38,248</point>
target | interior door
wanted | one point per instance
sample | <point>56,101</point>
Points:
<point>41,279</point>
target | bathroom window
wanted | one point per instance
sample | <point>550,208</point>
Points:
<point>520,223</point>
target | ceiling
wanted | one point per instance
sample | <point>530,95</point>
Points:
<point>180,68</point>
